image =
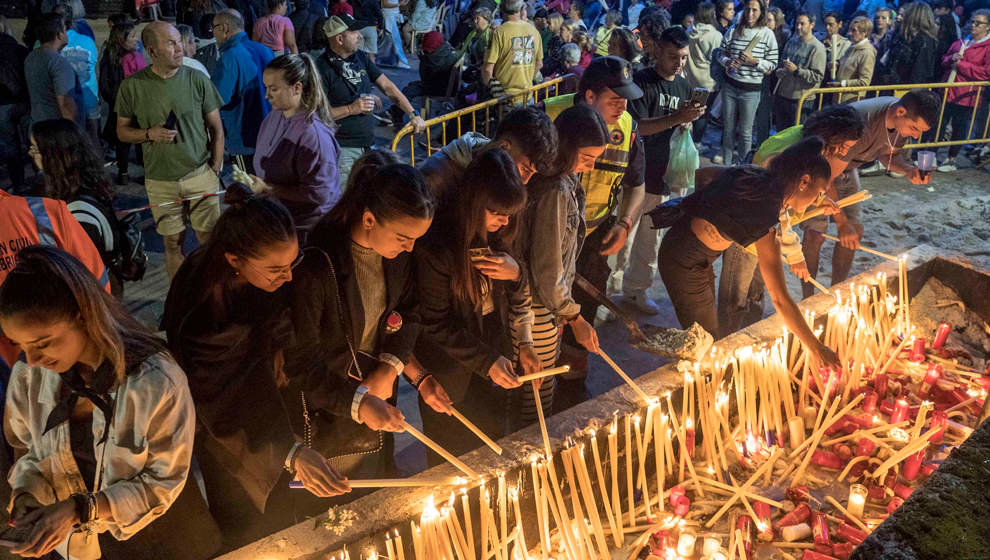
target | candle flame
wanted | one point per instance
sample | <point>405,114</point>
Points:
<point>430,512</point>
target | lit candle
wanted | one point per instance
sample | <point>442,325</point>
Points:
<point>398,545</point>
<point>710,546</point>
<point>900,411</point>
<point>613,459</point>
<point>763,526</point>
<point>941,335</point>
<point>931,377</point>
<point>869,404</point>
<point>631,498</point>
<point>857,499</point>
<point>502,512</point>
<point>388,546</point>
<point>466,508</point>
<point>685,543</point>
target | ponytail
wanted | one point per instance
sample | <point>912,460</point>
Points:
<point>301,68</point>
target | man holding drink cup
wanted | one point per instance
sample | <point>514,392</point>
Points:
<point>347,75</point>
<point>889,123</point>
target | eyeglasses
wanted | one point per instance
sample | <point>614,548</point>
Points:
<point>283,272</point>
<point>977,22</point>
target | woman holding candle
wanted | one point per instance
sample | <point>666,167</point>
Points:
<point>741,205</point>
<point>475,302</point>
<point>101,421</point>
<point>552,232</point>
<point>969,60</point>
<point>244,316</point>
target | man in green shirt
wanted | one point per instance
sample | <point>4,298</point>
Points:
<point>174,111</point>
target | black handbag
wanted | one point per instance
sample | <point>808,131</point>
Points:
<point>347,445</point>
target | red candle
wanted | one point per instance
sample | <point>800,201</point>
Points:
<point>932,377</point>
<point>660,542</point>
<point>819,528</point>
<point>912,464</point>
<point>842,550</point>
<point>900,412</point>
<point>765,528</point>
<point>675,493</point>
<point>941,335</point>
<point>876,493</point>
<point>928,468</point>
<point>682,505</point>
<point>799,514</point>
<point>938,419</point>
<point>812,555</point>
<point>870,402</point>
<point>918,350</point>
<point>890,480</point>
<point>850,534</point>
<point>826,459</point>
<point>902,491</point>
<point>797,494</point>
<point>745,526</point>
<point>865,447</point>
<point>880,384</point>
<point>894,503</point>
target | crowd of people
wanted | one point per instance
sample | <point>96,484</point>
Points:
<point>331,269</point>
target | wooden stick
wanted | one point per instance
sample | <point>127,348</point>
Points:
<point>752,479</point>
<point>622,374</point>
<point>404,482</point>
<point>544,373</point>
<point>476,430</point>
<point>818,285</point>
<point>543,422</point>
<point>864,249</point>
<point>436,447</point>
<point>732,490</point>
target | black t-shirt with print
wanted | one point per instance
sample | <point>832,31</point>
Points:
<point>660,98</point>
<point>346,79</point>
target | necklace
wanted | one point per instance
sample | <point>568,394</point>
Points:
<point>886,136</point>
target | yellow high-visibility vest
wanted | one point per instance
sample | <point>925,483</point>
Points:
<point>601,185</point>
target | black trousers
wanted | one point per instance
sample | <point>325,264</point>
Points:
<point>960,117</point>
<point>785,112</point>
<point>685,266</point>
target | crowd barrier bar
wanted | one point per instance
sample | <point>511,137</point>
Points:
<point>534,94</point>
<point>900,89</point>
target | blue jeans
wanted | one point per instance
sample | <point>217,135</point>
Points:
<point>738,112</point>
<point>392,25</point>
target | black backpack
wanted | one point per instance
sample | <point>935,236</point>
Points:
<point>122,249</point>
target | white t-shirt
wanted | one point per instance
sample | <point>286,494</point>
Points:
<point>195,65</point>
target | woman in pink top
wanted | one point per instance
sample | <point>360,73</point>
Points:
<point>275,31</point>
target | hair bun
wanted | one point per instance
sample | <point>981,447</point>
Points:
<point>237,194</point>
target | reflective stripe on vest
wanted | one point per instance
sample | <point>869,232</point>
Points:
<point>46,234</point>
<point>601,185</point>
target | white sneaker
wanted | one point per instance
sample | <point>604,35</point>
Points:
<point>948,167</point>
<point>717,160</point>
<point>403,65</point>
<point>642,304</point>
<point>876,168</point>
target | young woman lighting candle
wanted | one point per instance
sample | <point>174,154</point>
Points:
<point>741,205</point>
<point>475,302</point>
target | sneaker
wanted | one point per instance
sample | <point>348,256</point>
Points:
<point>948,167</point>
<point>875,168</point>
<point>717,160</point>
<point>403,65</point>
<point>895,175</point>
<point>642,304</point>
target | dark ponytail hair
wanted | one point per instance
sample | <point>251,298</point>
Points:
<point>387,189</point>
<point>250,225</point>
<point>300,68</point>
<point>50,285</point>
<point>578,127</point>
<point>491,182</point>
<point>803,158</point>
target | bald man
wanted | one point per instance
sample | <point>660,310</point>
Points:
<point>174,111</point>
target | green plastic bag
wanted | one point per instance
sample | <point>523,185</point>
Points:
<point>684,161</point>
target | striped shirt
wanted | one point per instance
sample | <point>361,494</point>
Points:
<point>764,51</point>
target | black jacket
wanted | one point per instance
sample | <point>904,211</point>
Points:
<point>454,343</point>
<point>13,86</point>
<point>251,414</point>
<point>435,69</point>
<point>912,63</point>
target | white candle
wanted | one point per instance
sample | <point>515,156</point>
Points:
<point>631,499</point>
<point>857,499</point>
<point>685,544</point>
<point>710,546</point>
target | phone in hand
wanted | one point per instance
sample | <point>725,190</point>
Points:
<point>11,537</point>
<point>172,123</point>
<point>479,253</point>
<point>700,96</point>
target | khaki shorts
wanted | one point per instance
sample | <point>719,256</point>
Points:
<point>203,212</point>
<point>845,184</point>
<point>369,40</point>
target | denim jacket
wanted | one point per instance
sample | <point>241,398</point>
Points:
<point>142,467</point>
<point>553,232</point>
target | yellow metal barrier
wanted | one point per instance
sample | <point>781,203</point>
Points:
<point>899,90</point>
<point>534,94</point>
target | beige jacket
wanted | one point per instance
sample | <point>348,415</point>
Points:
<point>698,70</point>
<point>856,68</point>
<point>142,467</point>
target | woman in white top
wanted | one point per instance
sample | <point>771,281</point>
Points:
<point>101,421</point>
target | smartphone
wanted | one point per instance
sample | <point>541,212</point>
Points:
<point>171,122</point>
<point>479,253</point>
<point>700,96</point>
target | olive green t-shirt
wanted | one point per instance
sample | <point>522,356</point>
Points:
<point>148,98</point>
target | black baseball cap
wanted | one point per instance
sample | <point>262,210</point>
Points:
<point>610,72</point>
<point>340,23</point>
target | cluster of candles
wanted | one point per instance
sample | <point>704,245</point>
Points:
<point>882,420</point>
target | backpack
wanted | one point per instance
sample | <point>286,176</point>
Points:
<point>123,245</point>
